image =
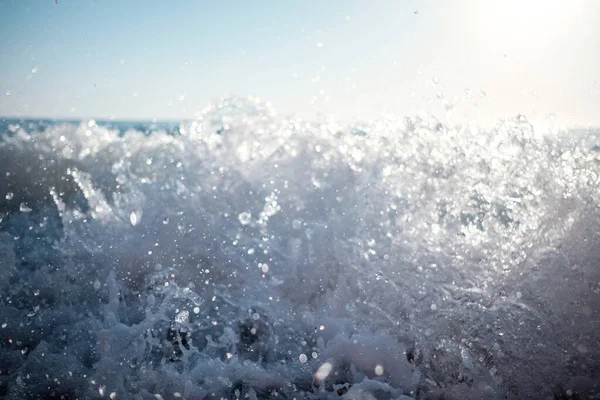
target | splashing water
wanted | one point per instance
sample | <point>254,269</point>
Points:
<point>252,256</point>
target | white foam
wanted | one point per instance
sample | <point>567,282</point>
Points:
<point>390,251</point>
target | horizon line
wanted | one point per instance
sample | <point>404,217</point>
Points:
<point>109,119</point>
<point>181,120</point>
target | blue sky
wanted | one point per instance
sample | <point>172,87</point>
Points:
<point>466,61</point>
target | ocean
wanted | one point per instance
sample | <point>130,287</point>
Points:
<point>248,255</point>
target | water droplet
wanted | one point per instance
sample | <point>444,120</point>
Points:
<point>323,371</point>
<point>135,217</point>
<point>319,44</point>
<point>196,310</point>
<point>33,311</point>
<point>24,208</point>
<point>250,251</point>
<point>165,220</point>
<point>303,358</point>
<point>150,300</point>
<point>245,218</point>
<point>379,370</point>
<point>433,307</point>
<point>9,195</point>
<point>264,268</point>
<point>315,354</point>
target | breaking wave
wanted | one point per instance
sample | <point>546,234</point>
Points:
<point>247,255</point>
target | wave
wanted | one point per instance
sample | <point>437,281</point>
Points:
<point>249,255</point>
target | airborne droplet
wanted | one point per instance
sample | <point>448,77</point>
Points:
<point>245,218</point>
<point>135,217</point>
<point>323,371</point>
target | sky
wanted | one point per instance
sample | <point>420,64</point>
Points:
<point>461,61</point>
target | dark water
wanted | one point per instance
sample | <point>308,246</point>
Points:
<point>246,255</point>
